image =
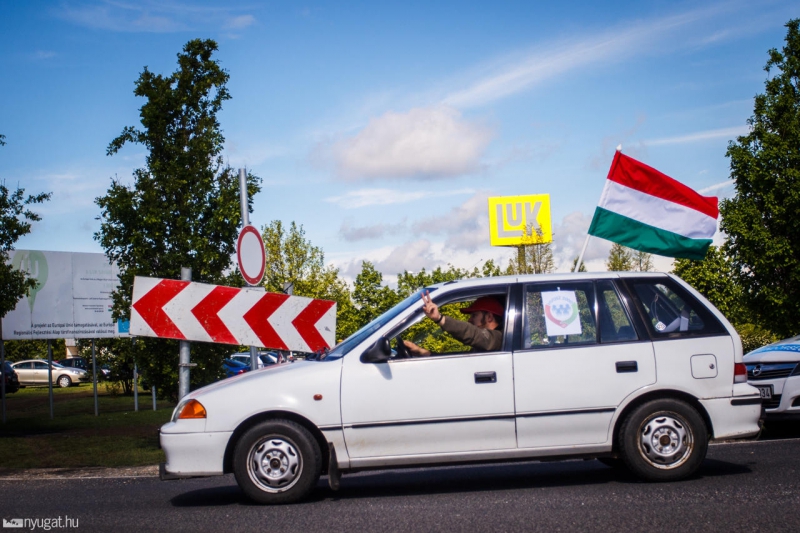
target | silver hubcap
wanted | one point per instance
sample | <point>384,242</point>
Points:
<point>665,441</point>
<point>274,464</point>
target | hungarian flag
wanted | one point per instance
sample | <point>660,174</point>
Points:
<point>643,209</point>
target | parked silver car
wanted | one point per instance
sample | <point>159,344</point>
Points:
<point>35,372</point>
<point>775,371</point>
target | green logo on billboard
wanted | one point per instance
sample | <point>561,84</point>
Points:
<point>35,264</point>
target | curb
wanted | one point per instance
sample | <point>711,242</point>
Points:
<point>94,472</point>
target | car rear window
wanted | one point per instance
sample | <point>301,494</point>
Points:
<point>671,311</point>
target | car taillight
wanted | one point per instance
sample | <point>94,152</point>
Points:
<point>192,409</point>
<point>739,373</point>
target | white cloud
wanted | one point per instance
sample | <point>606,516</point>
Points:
<point>518,74</point>
<point>465,227</point>
<point>352,233</point>
<point>421,143</point>
<point>239,22</point>
<point>716,187</point>
<point>153,16</point>
<point>367,197</point>
<point>728,133</point>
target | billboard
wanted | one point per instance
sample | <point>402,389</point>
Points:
<point>72,298</point>
<point>515,220</point>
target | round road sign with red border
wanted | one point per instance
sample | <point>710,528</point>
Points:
<point>250,254</point>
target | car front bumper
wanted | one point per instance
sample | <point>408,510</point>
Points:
<point>785,401</point>
<point>193,454</point>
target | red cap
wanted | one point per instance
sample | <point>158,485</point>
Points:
<point>489,304</point>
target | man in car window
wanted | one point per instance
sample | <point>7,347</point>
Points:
<point>483,331</point>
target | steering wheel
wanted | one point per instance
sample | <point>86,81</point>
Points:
<point>400,348</point>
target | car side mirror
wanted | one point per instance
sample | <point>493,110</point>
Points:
<point>380,352</point>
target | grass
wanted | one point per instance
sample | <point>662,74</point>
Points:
<point>75,437</point>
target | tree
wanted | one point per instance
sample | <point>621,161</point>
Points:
<point>619,259</point>
<point>532,259</point>
<point>183,207</point>
<point>574,264</point>
<point>641,261</point>
<point>713,278</point>
<point>370,297</point>
<point>291,258</point>
<point>15,221</point>
<point>761,220</point>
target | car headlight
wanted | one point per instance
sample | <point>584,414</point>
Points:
<point>188,410</point>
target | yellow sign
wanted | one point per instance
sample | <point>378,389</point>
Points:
<point>517,220</point>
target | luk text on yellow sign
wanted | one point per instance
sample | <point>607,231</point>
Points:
<point>515,220</point>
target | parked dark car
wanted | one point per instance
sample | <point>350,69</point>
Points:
<point>234,368</point>
<point>10,377</point>
<point>103,372</point>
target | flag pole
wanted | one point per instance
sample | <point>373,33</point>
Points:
<point>583,251</point>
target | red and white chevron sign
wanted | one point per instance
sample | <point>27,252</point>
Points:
<point>191,311</point>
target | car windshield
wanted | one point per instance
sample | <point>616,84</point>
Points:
<point>356,338</point>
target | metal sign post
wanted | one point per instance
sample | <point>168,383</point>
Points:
<point>185,354</point>
<point>251,279</point>
<point>50,374</point>
<point>3,384</point>
<point>94,373</point>
<point>136,387</point>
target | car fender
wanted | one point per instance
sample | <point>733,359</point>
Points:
<point>309,389</point>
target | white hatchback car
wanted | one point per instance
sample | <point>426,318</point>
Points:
<point>633,368</point>
<point>775,371</point>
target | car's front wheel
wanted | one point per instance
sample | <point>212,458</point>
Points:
<point>277,461</point>
<point>664,440</point>
<point>64,381</point>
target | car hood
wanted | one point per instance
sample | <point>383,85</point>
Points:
<point>289,387</point>
<point>787,351</point>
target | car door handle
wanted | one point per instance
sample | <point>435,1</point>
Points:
<point>485,377</point>
<point>627,366</point>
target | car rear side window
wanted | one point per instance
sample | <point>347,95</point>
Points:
<point>673,312</point>
<point>615,325</point>
<point>558,315</point>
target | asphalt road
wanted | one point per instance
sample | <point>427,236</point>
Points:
<point>741,487</point>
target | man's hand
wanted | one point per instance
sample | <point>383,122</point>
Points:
<point>415,350</point>
<point>430,309</point>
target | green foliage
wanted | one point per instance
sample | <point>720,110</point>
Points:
<point>291,258</point>
<point>641,261</point>
<point>620,259</point>
<point>714,278</point>
<point>183,208</point>
<point>761,220</point>
<point>574,264</point>
<point>532,259</point>
<point>34,349</point>
<point>370,297</point>
<point>15,222</point>
<point>754,337</point>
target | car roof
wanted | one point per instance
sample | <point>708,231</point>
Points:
<point>529,278</point>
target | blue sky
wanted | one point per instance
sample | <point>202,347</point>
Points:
<point>383,127</point>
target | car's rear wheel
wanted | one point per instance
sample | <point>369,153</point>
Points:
<point>277,461</point>
<point>664,440</point>
<point>64,381</point>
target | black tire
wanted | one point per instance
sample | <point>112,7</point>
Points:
<point>64,382</point>
<point>663,440</point>
<point>277,461</point>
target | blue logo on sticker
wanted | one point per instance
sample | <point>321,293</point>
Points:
<point>124,326</point>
